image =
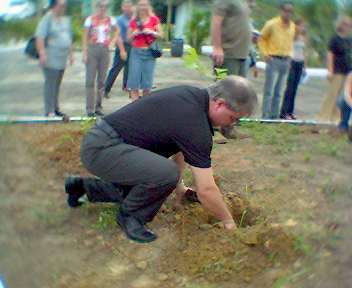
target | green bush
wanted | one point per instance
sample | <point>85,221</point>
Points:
<point>77,30</point>
<point>198,28</point>
<point>24,29</point>
<point>18,30</point>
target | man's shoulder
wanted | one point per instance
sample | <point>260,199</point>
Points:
<point>182,96</point>
<point>273,21</point>
<point>184,86</point>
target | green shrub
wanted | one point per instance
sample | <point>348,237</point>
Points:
<point>24,29</point>
<point>77,30</point>
<point>198,28</point>
<point>18,30</point>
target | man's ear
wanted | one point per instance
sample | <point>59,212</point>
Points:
<point>220,102</point>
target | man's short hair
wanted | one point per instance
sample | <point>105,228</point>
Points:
<point>238,93</point>
<point>127,2</point>
<point>284,3</point>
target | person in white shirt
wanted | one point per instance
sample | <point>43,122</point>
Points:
<point>100,30</point>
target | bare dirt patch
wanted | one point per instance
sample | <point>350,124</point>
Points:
<point>288,187</point>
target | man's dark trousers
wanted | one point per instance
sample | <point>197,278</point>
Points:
<point>294,77</point>
<point>345,114</point>
<point>138,179</point>
<point>117,65</point>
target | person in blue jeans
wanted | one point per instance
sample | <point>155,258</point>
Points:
<point>345,105</point>
<point>123,22</point>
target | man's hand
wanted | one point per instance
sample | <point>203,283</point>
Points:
<point>180,191</point>
<point>330,76</point>
<point>218,56</point>
<point>229,224</point>
<point>210,196</point>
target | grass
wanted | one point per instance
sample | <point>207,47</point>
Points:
<point>242,218</point>
<point>334,190</point>
<point>283,137</point>
<point>107,218</point>
<point>66,139</point>
<point>48,217</point>
<point>301,245</point>
<point>86,125</point>
<point>330,146</point>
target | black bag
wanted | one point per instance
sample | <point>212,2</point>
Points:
<point>31,49</point>
<point>156,50</point>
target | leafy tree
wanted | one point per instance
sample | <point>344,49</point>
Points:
<point>320,16</point>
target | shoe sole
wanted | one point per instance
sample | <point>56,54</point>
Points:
<point>131,237</point>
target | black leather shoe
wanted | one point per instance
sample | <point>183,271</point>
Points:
<point>90,114</point>
<point>75,190</point>
<point>99,113</point>
<point>134,229</point>
<point>59,113</point>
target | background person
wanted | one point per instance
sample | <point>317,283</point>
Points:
<point>345,105</point>
<point>129,151</point>
<point>54,45</point>
<point>296,70</point>
<point>231,35</point>
<point>251,61</point>
<point>275,44</point>
<point>339,62</point>
<point>123,21</point>
<point>143,31</point>
<point>96,41</point>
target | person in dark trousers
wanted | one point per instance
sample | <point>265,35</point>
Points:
<point>345,106</point>
<point>231,35</point>
<point>276,44</point>
<point>123,22</point>
<point>296,71</point>
<point>129,152</point>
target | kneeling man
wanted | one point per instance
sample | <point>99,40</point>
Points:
<point>129,151</point>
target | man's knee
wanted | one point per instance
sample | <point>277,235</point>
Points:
<point>168,174</point>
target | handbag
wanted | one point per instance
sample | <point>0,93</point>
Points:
<point>31,49</point>
<point>155,49</point>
